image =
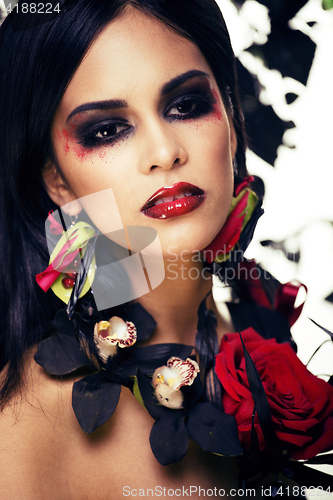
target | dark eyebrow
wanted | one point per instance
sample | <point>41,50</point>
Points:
<point>111,104</point>
<point>118,103</point>
<point>175,82</point>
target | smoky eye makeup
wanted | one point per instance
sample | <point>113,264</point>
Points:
<point>92,132</point>
<point>92,128</point>
<point>193,101</point>
<point>190,106</point>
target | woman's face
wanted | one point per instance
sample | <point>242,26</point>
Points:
<point>143,115</point>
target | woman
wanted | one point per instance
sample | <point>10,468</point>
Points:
<point>139,97</point>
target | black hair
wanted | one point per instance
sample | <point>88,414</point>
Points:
<point>39,56</point>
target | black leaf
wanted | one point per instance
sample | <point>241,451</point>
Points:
<point>60,354</point>
<point>94,400</point>
<point>206,345</point>
<point>264,128</point>
<point>261,405</point>
<point>169,439</point>
<point>213,430</point>
<point>291,97</point>
<point>63,324</point>
<point>289,51</point>
<point>284,10</point>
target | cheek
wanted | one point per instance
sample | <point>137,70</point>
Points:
<point>212,141</point>
<point>218,111</point>
<point>86,170</point>
<point>67,145</point>
<point>93,171</point>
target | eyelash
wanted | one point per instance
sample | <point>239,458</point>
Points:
<point>201,105</point>
<point>90,139</point>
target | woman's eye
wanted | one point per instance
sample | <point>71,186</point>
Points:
<point>191,107</point>
<point>104,133</point>
<point>109,130</point>
<point>182,107</point>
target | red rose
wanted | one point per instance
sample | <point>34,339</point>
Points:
<point>301,404</point>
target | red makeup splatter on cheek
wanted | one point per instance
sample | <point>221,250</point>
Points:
<point>67,137</point>
<point>81,152</point>
<point>71,144</point>
<point>217,113</point>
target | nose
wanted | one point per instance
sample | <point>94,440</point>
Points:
<point>162,147</point>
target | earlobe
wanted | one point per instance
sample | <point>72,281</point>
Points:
<point>58,190</point>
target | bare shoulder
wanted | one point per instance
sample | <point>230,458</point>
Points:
<point>33,427</point>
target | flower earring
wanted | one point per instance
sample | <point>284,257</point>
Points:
<point>67,257</point>
<point>74,219</point>
<point>236,233</point>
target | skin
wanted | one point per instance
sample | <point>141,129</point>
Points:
<point>156,145</point>
<point>131,60</point>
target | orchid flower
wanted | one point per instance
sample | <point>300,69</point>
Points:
<point>109,335</point>
<point>167,380</point>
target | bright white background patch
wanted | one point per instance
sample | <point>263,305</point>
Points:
<point>299,201</point>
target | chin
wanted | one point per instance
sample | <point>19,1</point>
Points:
<point>187,244</point>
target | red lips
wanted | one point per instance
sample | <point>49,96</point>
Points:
<point>173,201</point>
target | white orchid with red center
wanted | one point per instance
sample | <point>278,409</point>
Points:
<point>109,335</point>
<point>168,380</point>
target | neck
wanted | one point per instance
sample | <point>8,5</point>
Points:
<point>174,304</point>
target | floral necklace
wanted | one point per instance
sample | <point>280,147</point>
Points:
<point>258,421</point>
<point>164,378</point>
<point>229,400</point>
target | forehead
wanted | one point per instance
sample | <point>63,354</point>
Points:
<point>132,50</point>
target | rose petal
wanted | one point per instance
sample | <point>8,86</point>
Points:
<point>322,444</point>
<point>301,404</point>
